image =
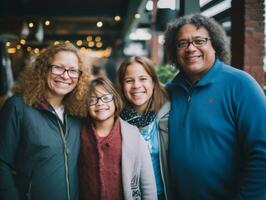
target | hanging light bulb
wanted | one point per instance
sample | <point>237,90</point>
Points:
<point>25,30</point>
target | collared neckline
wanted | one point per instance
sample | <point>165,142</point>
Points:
<point>181,79</point>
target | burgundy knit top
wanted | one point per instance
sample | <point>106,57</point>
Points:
<point>100,164</point>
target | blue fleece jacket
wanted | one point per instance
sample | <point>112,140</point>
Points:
<point>217,136</point>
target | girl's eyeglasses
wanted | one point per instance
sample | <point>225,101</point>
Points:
<point>104,98</point>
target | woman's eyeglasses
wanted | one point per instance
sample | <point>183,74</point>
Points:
<point>59,70</point>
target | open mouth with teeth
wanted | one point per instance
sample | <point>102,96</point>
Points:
<point>101,110</point>
<point>60,83</point>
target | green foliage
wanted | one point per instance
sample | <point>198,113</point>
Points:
<point>166,72</point>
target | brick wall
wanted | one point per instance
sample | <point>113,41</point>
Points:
<point>248,37</point>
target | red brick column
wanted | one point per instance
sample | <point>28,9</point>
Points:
<point>155,49</point>
<point>154,52</point>
<point>247,37</point>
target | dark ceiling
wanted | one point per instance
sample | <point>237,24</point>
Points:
<point>69,19</point>
<point>76,19</point>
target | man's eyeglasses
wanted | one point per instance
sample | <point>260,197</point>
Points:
<point>198,42</point>
<point>104,98</point>
<point>58,70</point>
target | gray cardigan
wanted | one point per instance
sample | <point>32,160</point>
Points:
<point>137,172</point>
<point>162,117</point>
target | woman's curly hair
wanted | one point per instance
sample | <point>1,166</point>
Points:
<point>217,35</point>
<point>32,82</point>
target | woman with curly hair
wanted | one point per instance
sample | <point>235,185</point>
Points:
<point>39,139</point>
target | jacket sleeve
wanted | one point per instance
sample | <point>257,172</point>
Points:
<point>9,137</point>
<point>251,125</point>
<point>147,178</point>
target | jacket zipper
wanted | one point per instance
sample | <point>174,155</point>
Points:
<point>190,89</point>
<point>187,110</point>
<point>66,152</point>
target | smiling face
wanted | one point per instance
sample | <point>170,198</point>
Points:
<point>101,112</point>
<point>60,85</point>
<point>194,61</point>
<point>138,86</point>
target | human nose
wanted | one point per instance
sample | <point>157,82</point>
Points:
<point>136,84</point>
<point>65,74</point>
<point>190,44</point>
<point>99,101</point>
<point>190,47</point>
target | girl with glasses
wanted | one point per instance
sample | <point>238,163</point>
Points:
<point>114,160</point>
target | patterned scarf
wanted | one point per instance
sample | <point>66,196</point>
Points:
<point>133,117</point>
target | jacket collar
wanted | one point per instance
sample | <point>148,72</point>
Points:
<point>181,80</point>
<point>43,104</point>
<point>164,110</point>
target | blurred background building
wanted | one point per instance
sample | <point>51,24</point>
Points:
<point>108,31</point>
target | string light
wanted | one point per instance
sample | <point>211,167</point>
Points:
<point>117,18</point>
<point>23,41</point>
<point>91,44</point>
<point>99,44</point>
<point>8,44</point>
<point>137,15</point>
<point>79,42</point>
<point>99,24</point>
<point>89,38</point>
<point>98,39</point>
<point>31,25</point>
<point>47,23</point>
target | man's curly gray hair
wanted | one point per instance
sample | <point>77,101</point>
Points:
<point>217,34</point>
